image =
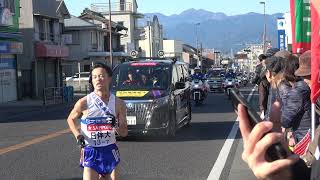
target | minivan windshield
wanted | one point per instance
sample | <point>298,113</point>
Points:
<point>141,76</point>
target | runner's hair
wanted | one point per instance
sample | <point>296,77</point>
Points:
<point>95,66</point>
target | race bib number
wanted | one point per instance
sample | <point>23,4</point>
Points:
<point>100,135</point>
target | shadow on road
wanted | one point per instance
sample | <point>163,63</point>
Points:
<point>215,103</point>
<point>44,114</point>
<point>200,131</point>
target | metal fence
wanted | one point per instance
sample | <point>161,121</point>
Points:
<point>53,95</point>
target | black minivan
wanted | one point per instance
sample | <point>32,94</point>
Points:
<point>156,93</point>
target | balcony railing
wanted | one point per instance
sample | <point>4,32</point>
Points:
<point>48,37</point>
<point>115,7</point>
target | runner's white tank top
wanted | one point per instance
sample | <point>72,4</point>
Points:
<point>96,127</point>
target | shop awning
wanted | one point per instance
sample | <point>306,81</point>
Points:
<point>54,51</point>
<point>106,54</point>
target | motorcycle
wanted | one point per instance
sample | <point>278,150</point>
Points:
<point>199,90</point>
<point>229,84</point>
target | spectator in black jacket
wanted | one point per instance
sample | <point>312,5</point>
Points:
<point>296,113</point>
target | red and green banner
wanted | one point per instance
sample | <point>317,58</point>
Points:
<point>315,50</point>
<point>301,25</point>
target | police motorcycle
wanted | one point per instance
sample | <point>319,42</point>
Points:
<point>228,84</point>
<point>199,90</point>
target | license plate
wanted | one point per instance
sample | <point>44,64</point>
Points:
<point>131,120</point>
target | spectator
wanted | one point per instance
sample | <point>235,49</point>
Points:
<point>259,68</point>
<point>274,67</point>
<point>296,113</point>
<point>264,85</point>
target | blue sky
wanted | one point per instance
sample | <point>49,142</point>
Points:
<point>168,7</point>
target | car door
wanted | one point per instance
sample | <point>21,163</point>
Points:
<point>186,91</point>
<point>182,94</point>
<point>177,93</point>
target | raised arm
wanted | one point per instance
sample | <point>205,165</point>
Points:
<point>122,118</point>
<point>75,114</point>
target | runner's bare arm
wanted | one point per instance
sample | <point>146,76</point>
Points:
<point>122,118</point>
<point>75,114</point>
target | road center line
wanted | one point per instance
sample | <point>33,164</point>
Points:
<point>225,150</point>
<point>33,141</point>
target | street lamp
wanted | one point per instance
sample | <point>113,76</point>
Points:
<point>265,26</point>
<point>110,35</point>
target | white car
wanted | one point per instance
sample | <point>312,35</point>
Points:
<point>79,81</point>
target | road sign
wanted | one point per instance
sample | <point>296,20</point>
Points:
<point>134,54</point>
<point>160,53</point>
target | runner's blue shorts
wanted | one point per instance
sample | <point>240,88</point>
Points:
<point>101,159</point>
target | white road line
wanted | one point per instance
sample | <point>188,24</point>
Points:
<point>225,150</point>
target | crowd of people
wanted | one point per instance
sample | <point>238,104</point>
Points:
<point>284,82</point>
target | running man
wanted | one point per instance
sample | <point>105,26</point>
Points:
<point>102,116</point>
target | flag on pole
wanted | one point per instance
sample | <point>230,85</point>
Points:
<point>302,146</point>
<point>315,50</point>
<point>301,25</point>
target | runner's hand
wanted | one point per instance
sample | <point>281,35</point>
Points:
<point>256,145</point>
<point>80,141</point>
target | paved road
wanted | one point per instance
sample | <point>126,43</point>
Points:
<point>190,155</point>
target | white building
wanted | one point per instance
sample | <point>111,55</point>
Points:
<point>247,59</point>
<point>125,13</point>
<point>152,42</point>
<point>288,30</point>
<point>173,48</point>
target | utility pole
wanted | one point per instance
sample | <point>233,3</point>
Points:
<point>110,35</point>
<point>197,41</point>
<point>265,26</point>
<point>201,57</point>
<point>150,45</point>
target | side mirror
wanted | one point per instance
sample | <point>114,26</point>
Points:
<point>180,85</point>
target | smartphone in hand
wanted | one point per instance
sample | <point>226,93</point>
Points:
<point>276,151</point>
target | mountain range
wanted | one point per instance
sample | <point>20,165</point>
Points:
<point>217,30</point>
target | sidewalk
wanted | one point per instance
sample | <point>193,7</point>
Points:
<point>13,109</point>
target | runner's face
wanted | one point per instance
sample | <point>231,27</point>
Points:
<point>100,79</point>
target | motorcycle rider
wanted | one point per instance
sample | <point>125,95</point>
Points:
<point>198,74</point>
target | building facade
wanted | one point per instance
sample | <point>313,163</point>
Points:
<point>87,37</point>
<point>173,49</point>
<point>42,25</point>
<point>10,47</point>
<point>152,42</point>
<point>124,12</point>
